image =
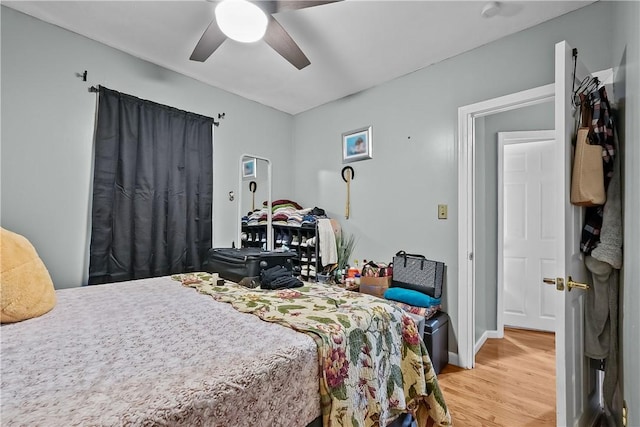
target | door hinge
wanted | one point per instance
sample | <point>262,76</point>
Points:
<point>625,413</point>
<point>470,256</point>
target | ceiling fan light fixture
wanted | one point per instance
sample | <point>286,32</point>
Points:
<point>241,20</point>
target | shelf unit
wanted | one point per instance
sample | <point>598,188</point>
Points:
<point>256,236</point>
<point>302,240</point>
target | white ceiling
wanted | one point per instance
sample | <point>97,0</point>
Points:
<point>352,45</point>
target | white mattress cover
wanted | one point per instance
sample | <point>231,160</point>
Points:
<point>152,352</point>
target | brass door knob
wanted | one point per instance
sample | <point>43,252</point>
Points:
<point>571,284</point>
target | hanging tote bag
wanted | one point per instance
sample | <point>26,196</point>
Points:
<point>417,273</point>
<point>587,178</point>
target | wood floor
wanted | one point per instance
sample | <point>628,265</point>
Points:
<point>513,383</point>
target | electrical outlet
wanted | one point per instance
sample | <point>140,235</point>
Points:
<point>442,211</point>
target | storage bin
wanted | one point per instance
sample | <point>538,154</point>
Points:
<point>374,285</point>
<point>436,339</point>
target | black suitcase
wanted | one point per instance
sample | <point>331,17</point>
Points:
<point>235,264</point>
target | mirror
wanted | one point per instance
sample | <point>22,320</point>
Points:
<point>254,187</point>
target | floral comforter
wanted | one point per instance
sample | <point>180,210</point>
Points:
<point>373,364</point>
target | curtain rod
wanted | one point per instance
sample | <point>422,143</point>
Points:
<point>96,89</point>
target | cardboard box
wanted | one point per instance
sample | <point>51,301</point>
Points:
<point>374,285</point>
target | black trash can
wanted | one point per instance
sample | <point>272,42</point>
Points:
<point>436,339</point>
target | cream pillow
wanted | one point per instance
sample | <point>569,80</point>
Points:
<point>26,289</point>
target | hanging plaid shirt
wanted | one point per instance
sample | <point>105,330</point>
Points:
<point>601,134</point>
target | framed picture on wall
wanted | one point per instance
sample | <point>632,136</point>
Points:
<point>356,145</point>
<point>249,169</point>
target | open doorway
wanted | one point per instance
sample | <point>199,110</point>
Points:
<point>513,190</point>
<point>488,302</point>
<point>526,231</point>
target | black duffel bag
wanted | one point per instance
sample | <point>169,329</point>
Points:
<point>418,273</point>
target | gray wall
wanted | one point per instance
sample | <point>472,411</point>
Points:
<point>537,117</point>
<point>626,62</point>
<point>394,196</point>
<point>47,134</point>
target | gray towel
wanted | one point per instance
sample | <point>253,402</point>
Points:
<point>601,305</point>
<point>609,248</point>
<point>601,329</point>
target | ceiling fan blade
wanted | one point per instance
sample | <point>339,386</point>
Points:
<point>209,42</point>
<point>300,4</point>
<point>278,38</point>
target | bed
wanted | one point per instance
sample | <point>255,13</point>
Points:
<point>162,351</point>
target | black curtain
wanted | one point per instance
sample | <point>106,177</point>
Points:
<point>152,190</point>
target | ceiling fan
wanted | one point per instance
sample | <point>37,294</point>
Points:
<point>274,34</point>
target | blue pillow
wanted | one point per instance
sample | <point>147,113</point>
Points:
<point>411,297</point>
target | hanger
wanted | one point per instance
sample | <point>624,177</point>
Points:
<point>587,85</point>
<point>591,86</point>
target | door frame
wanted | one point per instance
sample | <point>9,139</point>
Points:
<point>466,201</point>
<point>504,139</point>
<point>466,204</point>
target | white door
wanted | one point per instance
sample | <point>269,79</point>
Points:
<point>572,405</point>
<point>526,229</point>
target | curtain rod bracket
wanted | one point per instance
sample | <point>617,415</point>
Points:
<point>94,89</point>
<point>220,117</point>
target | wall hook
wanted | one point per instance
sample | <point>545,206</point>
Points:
<point>220,115</point>
<point>350,175</point>
<point>83,75</point>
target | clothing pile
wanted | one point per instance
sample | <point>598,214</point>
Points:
<point>285,212</point>
<point>278,277</point>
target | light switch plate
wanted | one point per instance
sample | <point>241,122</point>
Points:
<point>442,211</point>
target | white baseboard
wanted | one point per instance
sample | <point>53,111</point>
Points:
<point>454,359</point>
<point>478,345</point>
<point>485,336</point>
